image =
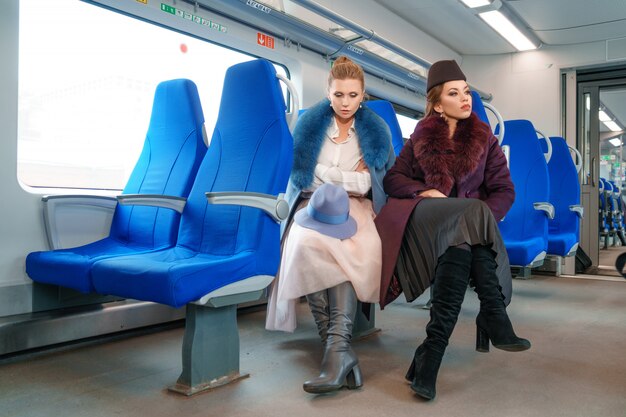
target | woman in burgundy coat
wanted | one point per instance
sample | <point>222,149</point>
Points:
<point>447,190</point>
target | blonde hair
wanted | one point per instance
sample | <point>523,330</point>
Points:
<point>343,69</point>
<point>432,99</point>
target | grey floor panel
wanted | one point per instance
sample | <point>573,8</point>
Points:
<point>576,367</point>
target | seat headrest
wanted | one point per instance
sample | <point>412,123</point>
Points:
<point>176,104</point>
<point>478,107</point>
<point>258,76</point>
<point>385,110</point>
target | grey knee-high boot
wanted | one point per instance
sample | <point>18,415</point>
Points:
<point>449,286</point>
<point>492,323</point>
<point>340,366</point>
<point>318,303</point>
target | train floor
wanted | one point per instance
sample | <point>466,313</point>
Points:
<point>607,258</point>
<point>576,366</point>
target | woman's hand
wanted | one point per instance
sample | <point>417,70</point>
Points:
<point>361,166</point>
<point>433,193</point>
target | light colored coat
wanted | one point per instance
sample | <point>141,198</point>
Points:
<point>308,137</point>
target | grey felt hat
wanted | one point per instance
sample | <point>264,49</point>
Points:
<point>328,212</point>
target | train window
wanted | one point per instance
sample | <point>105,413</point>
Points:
<point>407,125</point>
<point>87,78</point>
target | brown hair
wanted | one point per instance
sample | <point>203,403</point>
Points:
<point>344,68</point>
<point>432,99</point>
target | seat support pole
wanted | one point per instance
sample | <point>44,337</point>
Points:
<point>210,349</point>
<point>364,324</point>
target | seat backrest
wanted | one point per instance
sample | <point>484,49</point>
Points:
<point>564,188</point>
<point>251,150</point>
<point>602,188</point>
<point>529,173</point>
<point>384,109</point>
<point>479,108</point>
<point>613,194</point>
<point>172,152</point>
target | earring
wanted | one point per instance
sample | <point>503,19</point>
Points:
<point>360,105</point>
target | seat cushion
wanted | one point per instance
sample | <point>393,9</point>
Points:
<point>523,252</point>
<point>560,244</point>
<point>173,276</point>
<point>71,267</point>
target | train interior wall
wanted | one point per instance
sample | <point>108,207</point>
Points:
<point>524,85</point>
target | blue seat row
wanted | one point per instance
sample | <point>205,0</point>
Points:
<point>219,244</point>
<point>525,227</point>
<point>212,245</point>
<point>545,217</point>
<point>173,149</point>
<point>611,214</point>
<point>564,229</point>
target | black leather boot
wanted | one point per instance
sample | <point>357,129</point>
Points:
<point>492,323</point>
<point>318,303</point>
<point>449,286</point>
<point>340,366</point>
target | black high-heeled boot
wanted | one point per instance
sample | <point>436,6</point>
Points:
<point>318,303</point>
<point>449,286</point>
<point>492,322</point>
<point>340,365</point>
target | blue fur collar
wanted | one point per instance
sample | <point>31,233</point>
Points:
<point>308,137</point>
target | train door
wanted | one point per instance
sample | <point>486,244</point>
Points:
<point>601,124</point>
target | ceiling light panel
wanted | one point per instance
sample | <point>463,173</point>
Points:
<point>603,116</point>
<point>476,3</point>
<point>507,30</point>
<point>614,127</point>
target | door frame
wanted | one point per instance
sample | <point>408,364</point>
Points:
<point>592,83</point>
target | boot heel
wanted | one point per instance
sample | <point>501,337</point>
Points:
<point>354,379</point>
<point>482,340</point>
<point>410,374</point>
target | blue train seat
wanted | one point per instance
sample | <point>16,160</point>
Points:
<point>172,152</point>
<point>603,211</point>
<point>384,109</point>
<point>617,216</point>
<point>564,229</point>
<point>225,254</point>
<point>525,227</point>
<point>478,107</point>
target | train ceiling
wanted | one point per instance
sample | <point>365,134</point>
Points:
<point>553,22</point>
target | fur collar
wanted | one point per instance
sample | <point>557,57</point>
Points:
<point>308,137</point>
<point>448,161</point>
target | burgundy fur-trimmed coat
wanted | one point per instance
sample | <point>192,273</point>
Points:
<point>472,160</point>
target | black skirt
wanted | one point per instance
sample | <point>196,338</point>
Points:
<point>439,223</point>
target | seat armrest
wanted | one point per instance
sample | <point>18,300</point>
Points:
<point>546,208</point>
<point>153,200</point>
<point>249,289</point>
<point>276,206</point>
<point>578,209</point>
<point>52,204</point>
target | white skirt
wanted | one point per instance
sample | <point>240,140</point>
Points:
<point>312,262</point>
